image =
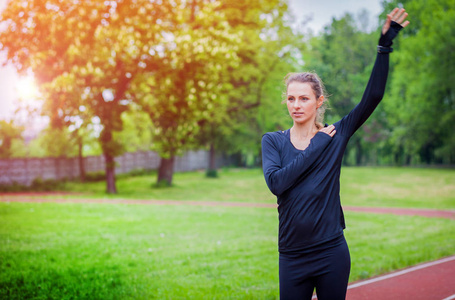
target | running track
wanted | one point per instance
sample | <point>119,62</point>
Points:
<point>428,281</point>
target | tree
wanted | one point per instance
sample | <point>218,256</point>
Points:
<point>265,57</point>
<point>421,103</point>
<point>191,83</point>
<point>84,56</point>
<point>264,50</point>
<point>343,57</point>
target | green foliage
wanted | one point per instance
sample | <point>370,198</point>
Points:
<point>57,143</point>
<point>267,54</point>
<point>211,173</point>
<point>38,185</point>
<point>95,176</point>
<point>9,133</point>
<point>46,185</point>
<point>189,85</point>
<point>343,56</point>
<point>421,103</point>
<point>84,55</point>
<point>181,75</point>
<point>136,133</point>
<point>12,187</point>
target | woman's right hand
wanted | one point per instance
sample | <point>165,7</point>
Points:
<point>330,130</point>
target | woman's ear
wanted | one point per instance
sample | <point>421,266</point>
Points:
<point>320,100</point>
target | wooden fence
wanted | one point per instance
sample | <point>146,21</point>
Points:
<point>25,171</point>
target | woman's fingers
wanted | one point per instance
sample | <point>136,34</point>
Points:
<point>401,18</point>
<point>390,16</point>
<point>393,13</point>
<point>397,15</point>
<point>330,130</point>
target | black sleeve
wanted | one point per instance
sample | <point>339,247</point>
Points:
<point>371,97</point>
<point>375,88</point>
<point>280,178</point>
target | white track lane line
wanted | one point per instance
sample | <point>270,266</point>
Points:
<point>419,267</point>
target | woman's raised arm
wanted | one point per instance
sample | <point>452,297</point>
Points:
<point>375,88</point>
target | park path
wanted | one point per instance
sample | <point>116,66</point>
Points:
<point>428,281</point>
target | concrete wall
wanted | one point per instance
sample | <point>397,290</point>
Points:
<point>25,170</point>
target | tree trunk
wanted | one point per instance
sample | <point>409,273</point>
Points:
<point>110,174</point>
<point>211,171</point>
<point>81,161</point>
<point>166,171</point>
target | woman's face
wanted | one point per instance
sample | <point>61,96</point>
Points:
<point>302,103</point>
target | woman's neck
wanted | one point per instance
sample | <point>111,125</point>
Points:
<point>304,131</point>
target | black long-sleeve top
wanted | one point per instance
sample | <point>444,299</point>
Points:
<point>307,182</point>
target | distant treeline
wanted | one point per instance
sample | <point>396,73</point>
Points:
<point>174,76</point>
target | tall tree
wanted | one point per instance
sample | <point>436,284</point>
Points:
<point>191,84</point>
<point>421,103</point>
<point>84,55</point>
<point>264,48</point>
<point>343,56</point>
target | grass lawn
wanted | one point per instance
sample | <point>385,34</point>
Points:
<point>398,187</point>
<point>360,186</point>
<point>234,185</point>
<point>102,251</point>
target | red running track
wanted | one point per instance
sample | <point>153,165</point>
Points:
<point>427,281</point>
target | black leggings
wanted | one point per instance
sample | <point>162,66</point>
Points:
<point>325,269</point>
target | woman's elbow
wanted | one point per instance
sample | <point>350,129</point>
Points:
<point>275,188</point>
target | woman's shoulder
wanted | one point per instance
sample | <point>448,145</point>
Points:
<point>275,136</point>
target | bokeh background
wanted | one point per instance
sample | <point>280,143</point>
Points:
<point>130,160</point>
<point>110,77</point>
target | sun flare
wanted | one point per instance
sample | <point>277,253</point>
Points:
<point>26,88</point>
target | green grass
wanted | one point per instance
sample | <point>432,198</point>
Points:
<point>360,186</point>
<point>102,251</point>
<point>233,185</point>
<point>398,187</point>
<point>94,251</point>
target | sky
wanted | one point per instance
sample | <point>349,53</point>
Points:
<point>320,13</point>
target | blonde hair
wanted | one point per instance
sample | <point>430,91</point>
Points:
<point>316,85</point>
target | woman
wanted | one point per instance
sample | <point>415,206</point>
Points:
<point>302,168</point>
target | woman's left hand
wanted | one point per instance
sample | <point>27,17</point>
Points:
<point>397,15</point>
